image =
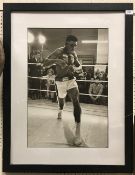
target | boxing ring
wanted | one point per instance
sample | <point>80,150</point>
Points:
<point>44,130</point>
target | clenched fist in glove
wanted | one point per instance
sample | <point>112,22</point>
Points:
<point>70,70</point>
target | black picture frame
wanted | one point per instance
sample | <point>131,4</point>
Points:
<point>74,7</point>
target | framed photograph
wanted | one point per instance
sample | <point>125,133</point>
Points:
<point>68,88</point>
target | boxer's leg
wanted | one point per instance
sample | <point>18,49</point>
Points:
<point>61,105</point>
<point>74,95</point>
<point>61,92</point>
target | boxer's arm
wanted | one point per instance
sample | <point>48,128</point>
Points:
<point>50,62</point>
<point>55,54</point>
<point>76,61</point>
<point>53,59</point>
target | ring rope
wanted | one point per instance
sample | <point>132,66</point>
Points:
<point>83,65</point>
<point>45,78</point>
<point>79,93</point>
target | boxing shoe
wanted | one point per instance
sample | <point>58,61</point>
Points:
<point>77,141</point>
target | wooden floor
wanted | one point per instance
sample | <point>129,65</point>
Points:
<point>44,130</point>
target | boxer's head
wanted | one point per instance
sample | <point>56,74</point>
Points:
<point>71,43</point>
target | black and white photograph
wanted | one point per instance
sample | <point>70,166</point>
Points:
<point>67,87</point>
<point>68,92</point>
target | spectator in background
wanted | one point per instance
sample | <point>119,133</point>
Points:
<point>96,74</point>
<point>38,56</point>
<point>101,75</point>
<point>51,85</point>
<point>34,72</point>
<point>90,73</point>
<point>95,90</point>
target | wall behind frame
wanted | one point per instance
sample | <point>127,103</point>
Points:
<point>1,36</point>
